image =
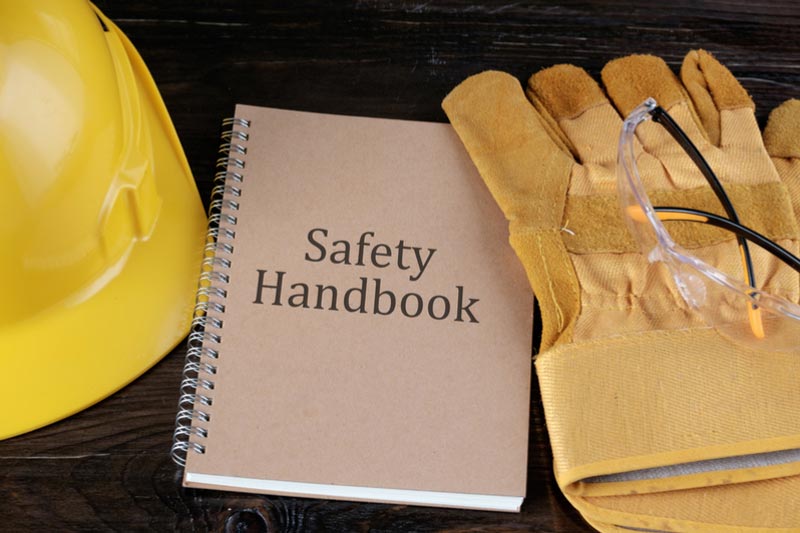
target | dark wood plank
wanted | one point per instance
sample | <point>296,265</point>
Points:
<point>108,468</point>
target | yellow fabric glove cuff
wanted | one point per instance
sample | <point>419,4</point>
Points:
<point>644,413</point>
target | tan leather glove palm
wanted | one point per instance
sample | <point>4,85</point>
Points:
<point>655,420</point>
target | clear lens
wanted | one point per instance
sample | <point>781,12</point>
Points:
<point>711,278</point>
<point>639,213</point>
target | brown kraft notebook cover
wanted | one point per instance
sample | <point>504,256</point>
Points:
<point>375,339</point>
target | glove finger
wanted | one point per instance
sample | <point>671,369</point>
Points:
<point>581,110</point>
<point>782,140</point>
<point>713,89</point>
<point>782,134</point>
<point>526,170</point>
<point>528,173</point>
<point>551,124</point>
<point>630,80</point>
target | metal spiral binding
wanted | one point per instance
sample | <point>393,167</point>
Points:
<point>202,350</point>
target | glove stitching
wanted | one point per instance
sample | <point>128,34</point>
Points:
<point>559,313</point>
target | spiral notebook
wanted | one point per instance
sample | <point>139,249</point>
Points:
<point>362,328</point>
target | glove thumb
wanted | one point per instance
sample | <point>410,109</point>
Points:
<point>782,141</point>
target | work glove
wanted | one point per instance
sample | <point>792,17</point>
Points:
<point>656,421</point>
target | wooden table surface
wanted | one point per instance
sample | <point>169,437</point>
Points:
<point>108,468</point>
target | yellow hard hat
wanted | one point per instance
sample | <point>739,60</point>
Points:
<point>101,225</point>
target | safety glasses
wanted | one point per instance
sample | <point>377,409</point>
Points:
<point>738,289</point>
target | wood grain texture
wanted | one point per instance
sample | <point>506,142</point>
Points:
<point>108,468</point>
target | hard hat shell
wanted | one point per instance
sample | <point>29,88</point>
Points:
<point>102,228</point>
